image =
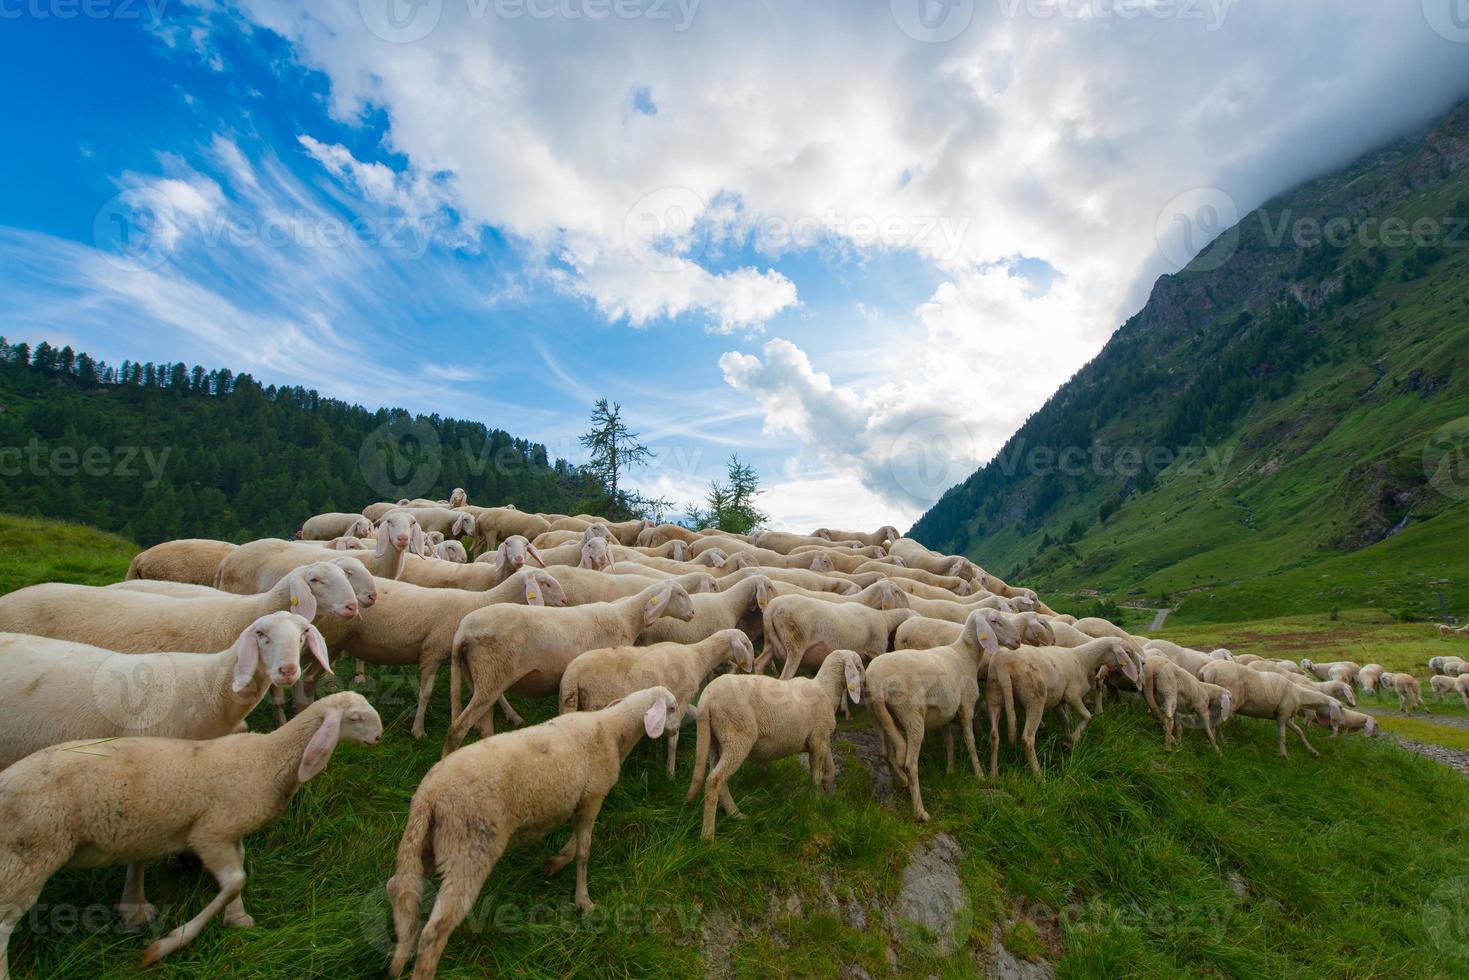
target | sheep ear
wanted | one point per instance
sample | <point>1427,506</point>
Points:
<point>533,590</point>
<point>762,593</point>
<point>319,750</point>
<point>416,541</point>
<point>303,600</point>
<point>247,659</point>
<point>316,643</point>
<point>655,719</point>
<point>854,681</point>
<point>502,560</point>
<point>653,611</point>
<point>535,555</point>
<point>680,551</point>
<point>382,539</point>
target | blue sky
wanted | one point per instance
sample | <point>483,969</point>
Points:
<point>853,250</point>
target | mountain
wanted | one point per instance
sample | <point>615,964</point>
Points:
<point>1284,427</point>
<point>168,451</point>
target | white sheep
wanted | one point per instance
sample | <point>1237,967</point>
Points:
<point>583,585</point>
<point>1369,677</point>
<point>752,716</point>
<point>1408,690</point>
<point>526,649</point>
<point>510,789</point>
<point>95,804</point>
<point>738,608</point>
<point>254,567</point>
<point>599,677</point>
<point>1167,686</point>
<point>191,560</point>
<point>1339,689</point>
<point>1264,694</point>
<point>326,527</point>
<point>912,691</point>
<point>881,536</point>
<point>802,630</point>
<point>1337,670</point>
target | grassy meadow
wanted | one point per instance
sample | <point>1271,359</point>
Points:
<point>1123,859</point>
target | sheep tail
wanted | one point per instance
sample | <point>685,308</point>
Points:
<point>135,568</point>
<point>701,752</point>
<point>458,653</point>
<point>1150,681</point>
<point>405,888</point>
<point>1001,673</point>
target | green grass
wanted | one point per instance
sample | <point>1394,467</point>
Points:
<point>52,551</point>
<point>1121,859</point>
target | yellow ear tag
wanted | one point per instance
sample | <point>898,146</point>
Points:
<point>295,601</point>
<point>530,595</point>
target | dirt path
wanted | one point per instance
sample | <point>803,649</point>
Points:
<point>1453,758</point>
<point>1447,721</point>
<point>1159,620</point>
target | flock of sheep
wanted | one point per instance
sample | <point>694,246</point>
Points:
<point>122,708</point>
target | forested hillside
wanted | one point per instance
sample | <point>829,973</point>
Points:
<point>169,451</point>
<point>1282,427</point>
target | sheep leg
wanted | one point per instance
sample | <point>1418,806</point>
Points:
<point>994,735</point>
<point>359,676</point>
<point>1304,741</point>
<point>913,734</point>
<point>25,892</point>
<point>673,726</point>
<point>949,749</point>
<point>278,705</point>
<point>455,899</point>
<point>1027,735</point>
<point>134,910</point>
<point>562,857</point>
<point>224,861</point>
<point>428,669</point>
<point>966,724</point>
<point>1209,730</point>
<point>586,816</point>
<point>512,717</point>
<point>892,742</point>
<point>481,709</point>
<point>1086,719</point>
<point>730,757</point>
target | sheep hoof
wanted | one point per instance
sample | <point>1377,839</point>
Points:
<point>921,816</point>
<point>586,905</point>
<point>137,916</point>
<point>242,921</point>
<point>556,864</point>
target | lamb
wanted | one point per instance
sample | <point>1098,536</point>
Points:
<point>326,527</point>
<point>598,678</point>
<point>1337,670</point>
<point>510,789</point>
<point>191,560</point>
<point>1338,689</point>
<point>738,608</point>
<point>254,567</point>
<point>1410,694</point>
<point>526,649</point>
<point>1048,677</point>
<point>94,804</point>
<point>881,536</point>
<point>744,716</point>
<point>802,631</point>
<point>1166,685</point>
<point>1259,694</point>
<point>912,691</point>
<point>56,691</point>
<point>1369,677</point>
<point>138,622</point>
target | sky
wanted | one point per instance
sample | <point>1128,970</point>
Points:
<point>855,243</point>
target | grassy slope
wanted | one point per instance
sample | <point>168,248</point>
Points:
<point>1134,847</point>
<point>50,551</point>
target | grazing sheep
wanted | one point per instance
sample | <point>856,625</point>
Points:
<point>1048,677</point>
<point>1338,689</point>
<point>597,678</point>
<point>140,622</point>
<point>526,649</point>
<point>96,804</point>
<point>1408,690</point>
<point>1261,694</point>
<point>1443,685</point>
<point>1444,629</point>
<point>1190,660</point>
<point>1351,721</point>
<point>513,788</point>
<point>1096,627</point>
<point>738,608</point>
<point>191,560</point>
<point>916,556</point>
<point>494,524</point>
<point>1453,666</point>
<point>1369,678</point>
<point>57,691</point>
<point>802,630</point>
<point>911,691</point>
<point>449,523</point>
<point>254,567</point>
<point>1281,667</point>
<point>752,716</point>
<point>327,527</point>
<point>1338,670</point>
<point>1461,686</point>
<point>1166,685</point>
